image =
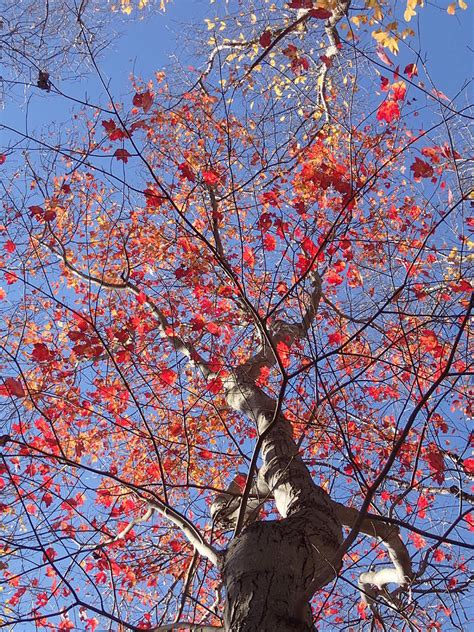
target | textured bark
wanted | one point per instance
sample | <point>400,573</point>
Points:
<point>266,570</point>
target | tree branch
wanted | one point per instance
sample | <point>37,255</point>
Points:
<point>389,536</point>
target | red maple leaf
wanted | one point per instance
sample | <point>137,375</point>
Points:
<point>41,214</point>
<point>265,39</point>
<point>411,70</point>
<point>320,14</point>
<point>301,4</point>
<point>249,256</point>
<point>399,90</point>
<point>41,353</point>
<point>153,199</point>
<point>2,158</point>
<point>335,338</point>
<point>122,154</point>
<point>435,459</point>
<point>210,177</point>
<point>333,278</point>
<point>468,465</point>
<point>418,540</point>
<point>143,100</point>
<point>168,376</point>
<point>421,169</point>
<point>113,132</point>
<point>187,172</point>
<point>388,111</point>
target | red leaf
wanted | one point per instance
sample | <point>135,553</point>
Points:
<point>335,338</point>
<point>269,242</point>
<point>9,246</point>
<point>187,172</point>
<point>421,169</point>
<point>215,385</point>
<point>265,39</point>
<point>141,298</point>
<point>205,454</point>
<point>388,111</point>
<point>301,4</point>
<point>47,499</point>
<point>122,154</point>
<point>13,387</point>
<point>411,71</point>
<point>175,546</point>
<point>91,624</point>
<point>249,256</point>
<point>468,465</point>
<point>461,286</point>
<point>210,177</point>
<point>327,61</point>
<point>2,158</point>
<point>113,132</point>
<point>213,329</point>
<point>143,100</point>
<point>168,376</point>
<point>435,459</point>
<point>153,199</point>
<point>10,278</point>
<point>384,84</point>
<point>418,540</point>
<point>333,278</point>
<point>41,214</point>
<point>41,353</point>
<point>320,14</point>
<point>283,353</point>
<point>49,554</point>
<point>399,91</point>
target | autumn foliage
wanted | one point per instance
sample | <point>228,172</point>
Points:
<point>181,233</point>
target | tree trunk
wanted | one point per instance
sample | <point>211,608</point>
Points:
<point>268,568</point>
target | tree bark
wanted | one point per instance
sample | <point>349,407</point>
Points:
<point>269,566</point>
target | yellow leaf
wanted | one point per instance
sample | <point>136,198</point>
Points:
<point>462,5</point>
<point>379,36</point>
<point>409,13</point>
<point>392,45</point>
<point>359,19</point>
<point>451,8</point>
<point>373,4</point>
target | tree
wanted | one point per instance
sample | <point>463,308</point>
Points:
<point>235,342</point>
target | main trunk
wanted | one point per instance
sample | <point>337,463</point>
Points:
<point>268,568</point>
